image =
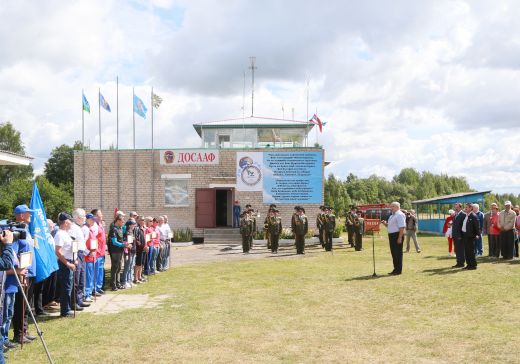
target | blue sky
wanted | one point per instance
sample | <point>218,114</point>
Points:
<point>432,85</point>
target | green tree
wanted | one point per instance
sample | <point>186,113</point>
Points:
<point>11,141</point>
<point>17,192</point>
<point>59,169</point>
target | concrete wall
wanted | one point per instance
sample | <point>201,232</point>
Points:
<point>146,203</point>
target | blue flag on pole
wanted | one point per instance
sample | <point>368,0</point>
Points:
<point>139,107</point>
<point>46,261</point>
<point>104,104</point>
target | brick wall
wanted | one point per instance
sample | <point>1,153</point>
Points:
<point>143,201</point>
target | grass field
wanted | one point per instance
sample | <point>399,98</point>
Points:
<point>318,308</point>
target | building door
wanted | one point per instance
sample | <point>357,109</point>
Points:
<point>223,207</point>
<point>205,208</point>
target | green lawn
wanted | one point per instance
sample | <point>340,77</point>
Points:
<point>319,308</point>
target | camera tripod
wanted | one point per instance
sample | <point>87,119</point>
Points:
<point>40,333</point>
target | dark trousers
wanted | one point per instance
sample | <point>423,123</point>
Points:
<point>245,243</point>
<point>358,241</point>
<point>459,250</point>
<point>322,237</point>
<point>49,289</point>
<point>328,241</point>
<point>65,282</point>
<point>115,268</point>
<point>274,242</point>
<point>397,252</point>
<point>300,243</point>
<point>494,245</point>
<point>350,232</point>
<point>469,250</point>
<point>507,239</point>
<point>38,296</point>
<point>79,279</point>
<point>21,311</point>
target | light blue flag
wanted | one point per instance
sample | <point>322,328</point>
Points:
<point>139,107</point>
<point>46,261</point>
<point>104,104</point>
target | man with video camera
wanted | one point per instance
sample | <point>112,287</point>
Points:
<point>6,262</point>
<point>21,313</point>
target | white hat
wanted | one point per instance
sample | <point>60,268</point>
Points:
<point>507,203</point>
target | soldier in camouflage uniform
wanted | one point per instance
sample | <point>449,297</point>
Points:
<point>330,225</point>
<point>320,224</point>
<point>300,227</point>
<point>274,228</point>
<point>266,230</point>
<point>349,222</point>
<point>246,230</point>
<point>359,231</point>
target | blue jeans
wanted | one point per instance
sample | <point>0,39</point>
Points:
<point>100,272</point>
<point>9,299</point>
<point>89,279</point>
<point>236,220</point>
<point>166,256</point>
<point>127,270</point>
<point>65,277</point>
<point>152,256</point>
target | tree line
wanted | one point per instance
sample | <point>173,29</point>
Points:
<point>407,186</point>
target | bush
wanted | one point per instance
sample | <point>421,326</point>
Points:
<point>182,235</point>
<point>337,231</point>
<point>258,235</point>
<point>309,234</point>
<point>287,234</point>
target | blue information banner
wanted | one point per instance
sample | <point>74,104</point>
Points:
<point>293,177</point>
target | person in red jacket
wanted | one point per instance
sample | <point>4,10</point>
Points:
<point>446,230</point>
<point>100,252</point>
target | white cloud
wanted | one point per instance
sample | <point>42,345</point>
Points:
<point>430,84</point>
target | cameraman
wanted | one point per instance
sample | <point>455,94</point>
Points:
<point>10,288</point>
<point>21,315</point>
<point>6,262</point>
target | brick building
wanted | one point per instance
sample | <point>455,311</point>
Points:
<point>254,160</point>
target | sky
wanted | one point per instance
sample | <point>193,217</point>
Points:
<point>432,85</point>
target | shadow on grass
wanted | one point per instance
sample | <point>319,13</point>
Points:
<point>442,257</point>
<point>443,271</point>
<point>367,278</point>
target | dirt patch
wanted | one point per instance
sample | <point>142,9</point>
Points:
<point>114,303</point>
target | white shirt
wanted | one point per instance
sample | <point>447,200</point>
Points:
<point>77,233</point>
<point>164,231</point>
<point>63,239</point>
<point>170,235</point>
<point>396,221</point>
<point>464,223</point>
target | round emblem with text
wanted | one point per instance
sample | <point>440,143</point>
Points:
<point>251,175</point>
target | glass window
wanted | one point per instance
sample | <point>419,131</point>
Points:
<point>208,136</point>
<point>176,192</point>
<point>243,138</point>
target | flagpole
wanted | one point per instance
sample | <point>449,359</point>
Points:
<point>117,144</point>
<point>83,147</point>
<point>152,153</point>
<point>100,152</point>
<point>316,129</point>
<point>307,127</point>
<point>135,161</point>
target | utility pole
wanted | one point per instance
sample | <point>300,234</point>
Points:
<point>252,68</point>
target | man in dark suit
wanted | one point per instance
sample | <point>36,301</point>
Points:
<point>470,232</point>
<point>456,233</point>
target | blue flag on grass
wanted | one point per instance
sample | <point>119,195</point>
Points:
<point>46,261</point>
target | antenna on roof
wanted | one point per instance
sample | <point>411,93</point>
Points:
<point>252,68</point>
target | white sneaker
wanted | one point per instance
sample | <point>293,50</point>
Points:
<point>128,285</point>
